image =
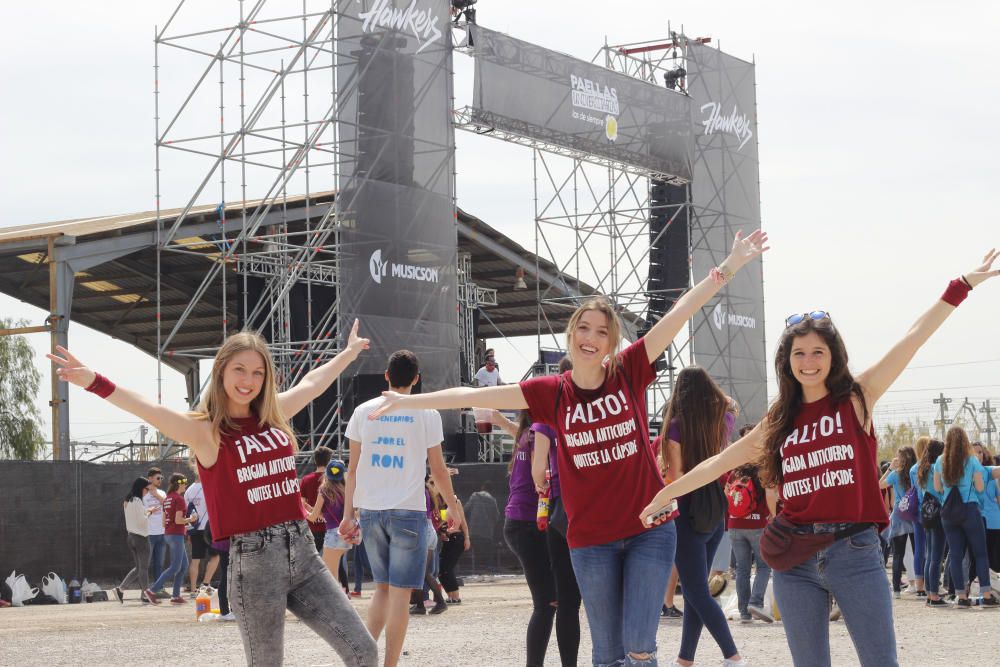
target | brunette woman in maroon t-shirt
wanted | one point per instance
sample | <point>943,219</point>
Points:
<point>245,450</point>
<point>817,444</point>
<point>606,466</point>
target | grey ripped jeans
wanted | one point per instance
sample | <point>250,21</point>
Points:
<point>278,568</point>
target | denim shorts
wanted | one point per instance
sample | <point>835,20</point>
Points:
<point>333,540</point>
<point>396,542</point>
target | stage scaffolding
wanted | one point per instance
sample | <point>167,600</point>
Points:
<point>270,80</point>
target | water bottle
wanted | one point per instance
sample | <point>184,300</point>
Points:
<point>544,504</point>
<point>74,591</point>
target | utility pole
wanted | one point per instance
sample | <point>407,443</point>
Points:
<point>990,426</point>
<point>943,421</point>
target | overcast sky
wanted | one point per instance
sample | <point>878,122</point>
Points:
<point>878,132</point>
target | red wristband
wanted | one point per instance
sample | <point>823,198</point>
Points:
<point>101,386</point>
<point>956,292</point>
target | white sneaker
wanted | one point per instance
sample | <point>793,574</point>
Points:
<point>726,662</point>
<point>228,617</point>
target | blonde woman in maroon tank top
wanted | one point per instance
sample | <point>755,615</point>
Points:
<point>245,450</point>
<point>817,445</point>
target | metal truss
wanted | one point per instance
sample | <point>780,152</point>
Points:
<point>270,80</point>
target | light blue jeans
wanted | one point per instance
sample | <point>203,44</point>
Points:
<point>157,551</point>
<point>852,571</point>
<point>622,584</point>
<point>178,564</point>
<point>746,546</point>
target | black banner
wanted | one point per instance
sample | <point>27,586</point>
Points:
<point>541,94</point>
<point>725,197</point>
<point>396,188</point>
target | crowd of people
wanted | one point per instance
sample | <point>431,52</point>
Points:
<point>624,532</point>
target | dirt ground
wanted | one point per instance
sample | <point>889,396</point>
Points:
<point>487,629</point>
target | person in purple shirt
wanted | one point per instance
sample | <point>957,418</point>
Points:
<point>522,535</point>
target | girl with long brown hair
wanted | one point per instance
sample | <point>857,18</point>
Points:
<point>933,532</point>
<point>919,535</point>
<point>245,450</point>
<point>817,444</point>
<point>606,465</point>
<point>900,530</point>
<point>960,478</point>
<point>698,418</point>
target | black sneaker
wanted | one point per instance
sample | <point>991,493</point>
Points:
<point>921,594</point>
<point>991,601</point>
<point>440,607</point>
<point>671,612</point>
<point>936,603</point>
<point>418,609</point>
<point>963,603</point>
<point>119,594</point>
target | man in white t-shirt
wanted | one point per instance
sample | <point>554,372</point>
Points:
<point>489,374</point>
<point>200,548</point>
<point>153,501</point>
<point>385,488</point>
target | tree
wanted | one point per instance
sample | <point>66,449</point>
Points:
<point>20,422</point>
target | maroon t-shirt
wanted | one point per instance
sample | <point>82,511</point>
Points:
<point>253,483</point>
<point>310,492</point>
<point>607,471</point>
<point>830,467</point>
<point>172,504</point>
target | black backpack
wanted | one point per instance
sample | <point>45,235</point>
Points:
<point>930,511</point>
<point>708,507</point>
<point>954,510</point>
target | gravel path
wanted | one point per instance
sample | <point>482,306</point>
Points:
<point>487,629</point>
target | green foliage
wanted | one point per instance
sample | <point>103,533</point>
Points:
<point>893,436</point>
<point>20,422</point>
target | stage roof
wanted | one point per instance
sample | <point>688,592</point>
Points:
<point>116,293</point>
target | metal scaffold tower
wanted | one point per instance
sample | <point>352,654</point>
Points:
<point>270,81</point>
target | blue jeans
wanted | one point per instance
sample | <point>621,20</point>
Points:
<point>622,584</point>
<point>935,553</point>
<point>157,550</point>
<point>695,552</point>
<point>852,571</point>
<point>360,565</point>
<point>178,564</point>
<point>746,546</point>
<point>970,534</point>
<point>396,542</point>
<point>919,549</point>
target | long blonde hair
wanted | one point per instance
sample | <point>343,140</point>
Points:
<point>601,304</point>
<point>214,404</point>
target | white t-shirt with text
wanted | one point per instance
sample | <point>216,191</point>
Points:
<point>390,472</point>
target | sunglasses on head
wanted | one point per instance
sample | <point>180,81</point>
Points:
<point>792,320</point>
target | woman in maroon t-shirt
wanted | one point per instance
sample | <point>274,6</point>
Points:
<point>606,466</point>
<point>174,530</point>
<point>245,449</point>
<point>817,444</point>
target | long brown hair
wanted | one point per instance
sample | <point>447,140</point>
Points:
<point>700,408</point>
<point>931,454</point>
<point>785,408</point>
<point>956,450</point>
<point>332,490</point>
<point>523,424</point>
<point>602,305</point>
<point>921,445</point>
<point>905,458</point>
<point>215,404</point>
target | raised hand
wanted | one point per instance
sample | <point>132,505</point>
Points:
<point>70,369</point>
<point>745,249</point>
<point>390,401</point>
<point>983,271</point>
<point>354,342</point>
